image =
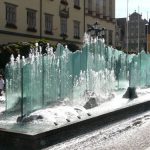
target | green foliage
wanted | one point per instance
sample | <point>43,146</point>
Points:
<point>72,47</point>
<point>22,48</point>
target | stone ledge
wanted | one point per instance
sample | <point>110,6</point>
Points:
<point>19,141</point>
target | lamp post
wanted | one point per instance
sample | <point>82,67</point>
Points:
<point>147,37</point>
<point>96,31</point>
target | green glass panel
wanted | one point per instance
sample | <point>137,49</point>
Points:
<point>13,86</point>
<point>32,85</point>
<point>39,81</point>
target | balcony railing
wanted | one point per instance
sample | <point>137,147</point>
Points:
<point>64,12</point>
<point>64,2</point>
<point>77,7</point>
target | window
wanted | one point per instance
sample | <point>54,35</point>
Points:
<point>11,15</point>
<point>90,6</point>
<point>110,8</point>
<point>48,23</point>
<point>77,29</point>
<point>31,20</point>
<point>104,7</point>
<point>77,4</point>
<point>64,2</point>
<point>132,41</point>
<point>63,22</point>
<point>97,6</point>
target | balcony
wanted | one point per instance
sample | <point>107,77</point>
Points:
<point>11,25</point>
<point>76,37</point>
<point>90,13</point>
<point>107,18</point>
<point>64,2</point>
<point>64,12</point>
<point>49,32</point>
<point>113,20</point>
<point>77,6</point>
<point>31,29</point>
<point>64,36</point>
<point>97,15</point>
<point>101,16</point>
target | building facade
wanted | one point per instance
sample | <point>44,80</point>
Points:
<point>102,11</point>
<point>135,37</point>
<point>120,33</point>
<point>55,20</point>
<point>148,41</point>
<point>136,32</point>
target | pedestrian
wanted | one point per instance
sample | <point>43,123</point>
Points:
<point>1,85</point>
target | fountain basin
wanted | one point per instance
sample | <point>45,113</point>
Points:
<point>42,139</point>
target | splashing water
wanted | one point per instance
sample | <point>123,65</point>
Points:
<point>42,80</point>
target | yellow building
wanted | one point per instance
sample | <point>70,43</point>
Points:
<point>102,11</point>
<point>148,43</point>
<point>55,20</point>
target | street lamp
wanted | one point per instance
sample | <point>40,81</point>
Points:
<point>96,31</point>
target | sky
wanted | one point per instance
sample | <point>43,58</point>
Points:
<point>121,8</point>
